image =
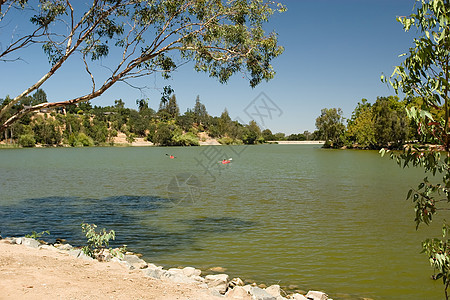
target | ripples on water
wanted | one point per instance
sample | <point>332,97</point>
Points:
<point>121,213</point>
<point>319,219</point>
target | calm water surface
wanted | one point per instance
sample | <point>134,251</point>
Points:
<point>279,214</point>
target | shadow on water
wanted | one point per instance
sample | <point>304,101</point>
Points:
<point>62,216</point>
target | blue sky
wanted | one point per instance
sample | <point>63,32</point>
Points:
<point>335,53</point>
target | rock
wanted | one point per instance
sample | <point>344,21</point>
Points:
<point>134,262</point>
<point>104,255</point>
<point>203,286</point>
<point>293,287</point>
<point>218,269</point>
<point>235,282</point>
<point>298,296</point>
<point>198,279</point>
<point>29,242</point>
<point>65,247</point>
<point>8,240</point>
<point>262,285</point>
<point>157,273</point>
<point>247,288</point>
<point>82,255</point>
<point>75,252</point>
<point>116,260</point>
<point>215,293</point>
<point>274,290</point>
<point>79,254</point>
<point>238,292</point>
<point>177,275</point>
<point>316,295</point>
<point>48,247</point>
<point>217,282</point>
<point>260,294</point>
<point>176,271</point>
<point>190,271</point>
<point>152,266</point>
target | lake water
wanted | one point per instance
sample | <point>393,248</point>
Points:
<point>332,220</point>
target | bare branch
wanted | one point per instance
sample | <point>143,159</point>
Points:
<point>59,63</point>
<point>172,30</point>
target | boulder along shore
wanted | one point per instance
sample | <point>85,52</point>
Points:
<point>32,269</point>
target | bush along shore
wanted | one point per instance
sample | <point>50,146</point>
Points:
<point>217,285</point>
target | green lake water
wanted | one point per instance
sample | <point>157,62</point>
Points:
<point>332,220</point>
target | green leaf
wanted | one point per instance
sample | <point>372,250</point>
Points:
<point>409,194</point>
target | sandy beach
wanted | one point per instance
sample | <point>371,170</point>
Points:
<point>28,273</point>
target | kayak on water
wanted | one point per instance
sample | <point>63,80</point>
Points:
<point>171,156</point>
<point>226,161</point>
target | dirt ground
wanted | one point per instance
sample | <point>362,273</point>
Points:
<point>28,273</point>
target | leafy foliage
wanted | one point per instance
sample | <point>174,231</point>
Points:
<point>37,235</point>
<point>330,125</point>
<point>26,140</point>
<point>425,73</point>
<point>221,38</point>
<point>96,241</point>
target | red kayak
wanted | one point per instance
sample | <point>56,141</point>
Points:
<point>226,161</point>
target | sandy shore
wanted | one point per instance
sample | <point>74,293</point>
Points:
<point>28,273</point>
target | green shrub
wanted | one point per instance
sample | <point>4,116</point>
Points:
<point>186,139</point>
<point>229,141</point>
<point>96,242</point>
<point>80,140</point>
<point>27,140</point>
<point>84,140</point>
<point>225,140</point>
<point>72,140</point>
<point>131,137</point>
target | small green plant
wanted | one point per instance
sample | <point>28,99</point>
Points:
<point>96,242</point>
<point>37,235</point>
<point>99,241</point>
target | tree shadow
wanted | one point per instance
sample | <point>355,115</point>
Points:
<point>127,215</point>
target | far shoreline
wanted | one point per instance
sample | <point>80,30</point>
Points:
<point>297,142</point>
<point>140,142</point>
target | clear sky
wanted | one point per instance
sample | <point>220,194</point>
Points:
<point>335,53</point>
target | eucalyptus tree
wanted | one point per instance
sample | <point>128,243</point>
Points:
<point>361,125</point>
<point>221,38</point>
<point>330,125</point>
<point>425,73</point>
<point>390,122</point>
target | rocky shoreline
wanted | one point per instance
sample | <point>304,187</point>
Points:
<point>217,285</point>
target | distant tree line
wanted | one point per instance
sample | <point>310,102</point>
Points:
<point>383,124</point>
<point>87,125</point>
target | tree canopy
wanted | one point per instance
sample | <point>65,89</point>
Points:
<point>424,78</point>
<point>330,125</point>
<point>221,38</point>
